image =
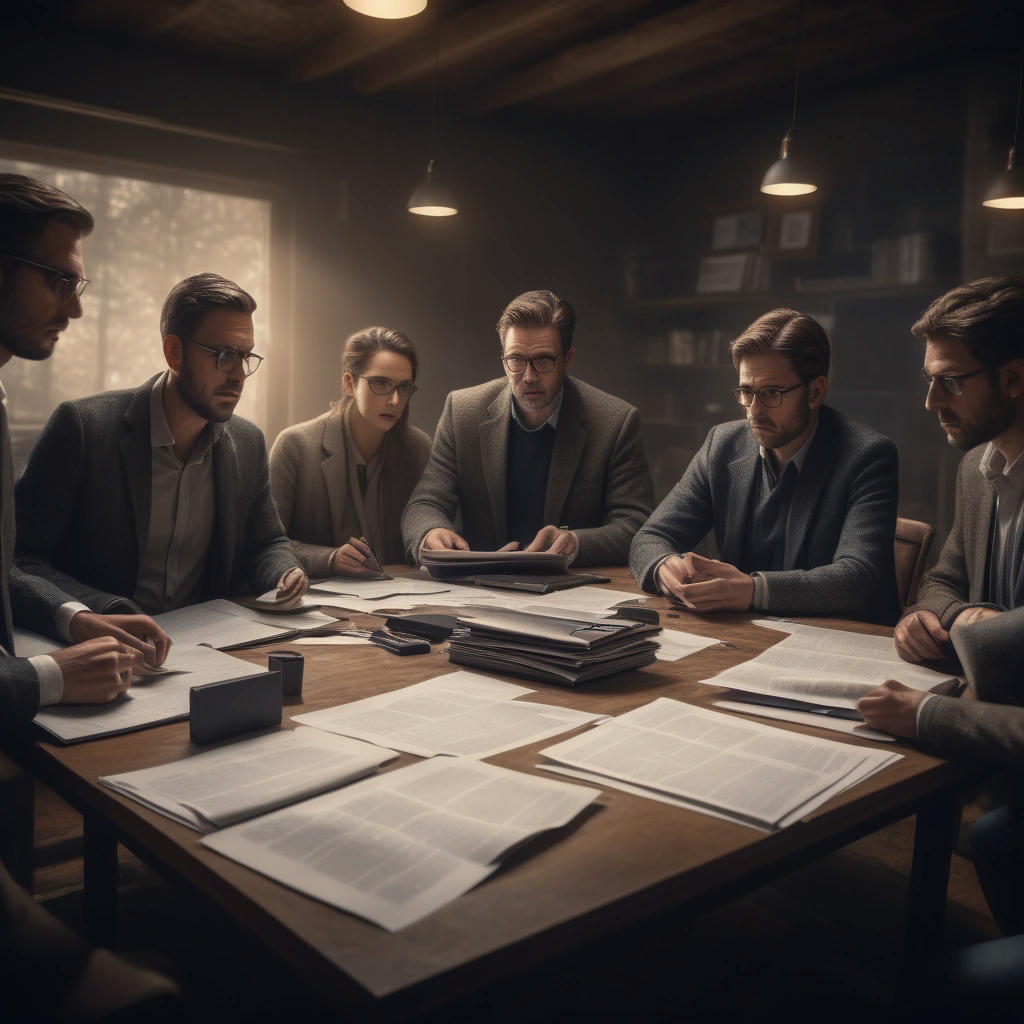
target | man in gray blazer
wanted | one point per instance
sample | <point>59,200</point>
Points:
<point>974,365</point>
<point>536,460</point>
<point>802,501</point>
<point>158,497</point>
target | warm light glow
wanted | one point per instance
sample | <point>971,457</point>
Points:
<point>1006,203</point>
<point>434,211</point>
<point>789,188</point>
<point>387,8</point>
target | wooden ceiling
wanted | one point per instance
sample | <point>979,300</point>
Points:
<point>596,58</point>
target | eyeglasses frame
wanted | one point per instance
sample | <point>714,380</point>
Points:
<point>393,385</point>
<point>241,358</point>
<point>529,360</point>
<point>757,395</point>
<point>951,383</point>
<point>59,277</point>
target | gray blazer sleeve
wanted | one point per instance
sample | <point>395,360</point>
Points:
<point>435,501</point>
<point>678,524</point>
<point>629,498</point>
<point>849,583</point>
<point>267,555</point>
<point>285,459</point>
<point>991,728</point>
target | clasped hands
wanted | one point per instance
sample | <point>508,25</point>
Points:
<point>705,584</point>
<point>552,540</point>
<point>919,636</point>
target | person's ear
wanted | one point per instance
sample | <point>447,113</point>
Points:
<point>569,357</point>
<point>1011,376</point>
<point>173,352</point>
<point>348,382</point>
<point>816,391</point>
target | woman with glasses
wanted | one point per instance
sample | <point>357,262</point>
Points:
<point>341,480</point>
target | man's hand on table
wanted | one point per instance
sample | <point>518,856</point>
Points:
<point>139,632</point>
<point>441,539</point>
<point>705,584</point>
<point>96,671</point>
<point>892,707</point>
<point>290,587</point>
<point>919,636</point>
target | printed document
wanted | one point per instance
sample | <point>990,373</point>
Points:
<point>460,713</point>
<point>399,846</point>
<point>758,773</point>
<point>241,780</point>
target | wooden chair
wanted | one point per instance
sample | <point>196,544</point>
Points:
<point>913,540</point>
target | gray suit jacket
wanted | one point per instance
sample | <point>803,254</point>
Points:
<point>598,485</point>
<point>958,579</point>
<point>83,504</point>
<point>309,477</point>
<point>841,527</point>
<point>991,728</point>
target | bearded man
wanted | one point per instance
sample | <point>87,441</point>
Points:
<point>802,501</point>
<point>158,497</point>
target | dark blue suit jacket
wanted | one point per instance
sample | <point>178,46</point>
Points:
<point>841,527</point>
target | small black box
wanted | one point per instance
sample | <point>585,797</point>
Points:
<point>220,710</point>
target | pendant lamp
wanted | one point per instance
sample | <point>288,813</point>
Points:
<point>387,8</point>
<point>1007,191</point>
<point>789,175</point>
<point>430,198</point>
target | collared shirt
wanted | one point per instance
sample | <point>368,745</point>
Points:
<point>181,515</point>
<point>552,420</point>
<point>1005,546</point>
<point>364,486</point>
<point>773,476</point>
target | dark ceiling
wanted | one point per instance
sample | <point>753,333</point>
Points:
<point>599,58</point>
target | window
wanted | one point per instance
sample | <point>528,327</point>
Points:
<point>148,237</point>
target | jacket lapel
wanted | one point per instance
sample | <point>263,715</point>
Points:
<point>335,470</point>
<point>221,559</point>
<point>570,440</point>
<point>737,499</point>
<point>137,460</point>
<point>810,484</point>
<point>494,455</point>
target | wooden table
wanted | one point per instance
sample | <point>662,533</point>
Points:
<point>630,859</point>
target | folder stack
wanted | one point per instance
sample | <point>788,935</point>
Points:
<point>566,651</point>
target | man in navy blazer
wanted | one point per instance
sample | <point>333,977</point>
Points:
<point>802,500</point>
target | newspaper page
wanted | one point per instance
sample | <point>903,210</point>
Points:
<point>221,787</point>
<point>397,847</point>
<point>759,773</point>
<point>460,713</point>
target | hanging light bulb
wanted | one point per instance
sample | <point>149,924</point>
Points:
<point>430,198</point>
<point>1007,191</point>
<point>387,8</point>
<point>789,175</point>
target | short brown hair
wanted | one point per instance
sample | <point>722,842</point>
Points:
<point>986,315</point>
<point>541,308</point>
<point>797,336</point>
<point>27,206</point>
<point>190,300</point>
<point>360,349</point>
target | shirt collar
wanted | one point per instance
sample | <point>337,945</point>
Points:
<point>798,458</point>
<point>3,393</point>
<point>160,435</point>
<point>551,421</point>
<point>994,468</point>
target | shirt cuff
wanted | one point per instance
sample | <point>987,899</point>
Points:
<point>917,720</point>
<point>572,557</point>
<point>51,679</point>
<point>760,599</point>
<point>65,613</point>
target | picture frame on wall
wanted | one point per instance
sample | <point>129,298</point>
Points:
<point>794,233</point>
<point>739,231</point>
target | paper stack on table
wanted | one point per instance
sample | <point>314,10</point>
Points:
<point>751,773</point>
<point>221,787</point>
<point>460,713</point>
<point>399,846</point>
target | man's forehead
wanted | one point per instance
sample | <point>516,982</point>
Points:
<point>226,327</point>
<point>771,368</point>
<point>948,354</point>
<point>59,245</point>
<point>533,338</point>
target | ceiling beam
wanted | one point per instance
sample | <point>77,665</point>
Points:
<point>691,25</point>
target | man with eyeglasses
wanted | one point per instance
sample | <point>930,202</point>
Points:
<point>536,460</point>
<point>802,501</point>
<point>974,368</point>
<point>159,497</point>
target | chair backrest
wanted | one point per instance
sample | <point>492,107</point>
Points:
<point>913,539</point>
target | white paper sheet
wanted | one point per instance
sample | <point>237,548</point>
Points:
<point>243,779</point>
<point>209,623</point>
<point>856,729</point>
<point>674,644</point>
<point>330,641</point>
<point>151,701</point>
<point>377,590</point>
<point>753,771</point>
<point>397,847</point>
<point>460,713</point>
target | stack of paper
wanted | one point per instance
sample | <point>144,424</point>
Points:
<point>460,713</point>
<point>228,626</point>
<point>558,650</point>
<point>241,780</point>
<point>444,564</point>
<point>399,846</point>
<point>748,772</point>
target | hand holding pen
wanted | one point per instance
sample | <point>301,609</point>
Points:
<point>356,558</point>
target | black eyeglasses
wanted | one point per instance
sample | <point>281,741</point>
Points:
<point>539,364</point>
<point>229,358</point>
<point>385,385</point>
<point>64,285</point>
<point>770,398</point>
<point>951,383</point>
